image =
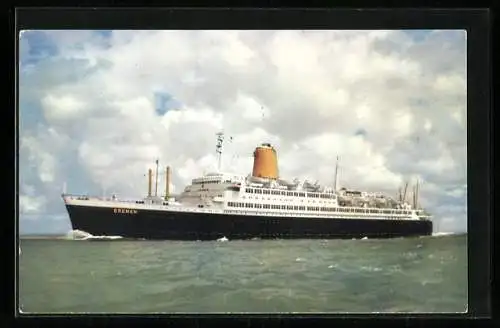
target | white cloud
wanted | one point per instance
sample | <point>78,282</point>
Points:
<point>44,162</point>
<point>306,92</point>
<point>454,83</point>
<point>62,108</point>
<point>31,204</point>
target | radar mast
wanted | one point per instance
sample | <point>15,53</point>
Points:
<point>218,148</point>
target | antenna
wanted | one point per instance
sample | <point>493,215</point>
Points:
<point>336,174</point>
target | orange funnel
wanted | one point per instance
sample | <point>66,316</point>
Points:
<point>265,162</point>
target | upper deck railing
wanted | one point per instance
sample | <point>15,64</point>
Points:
<point>348,212</point>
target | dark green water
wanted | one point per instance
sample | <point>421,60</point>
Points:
<point>400,275</point>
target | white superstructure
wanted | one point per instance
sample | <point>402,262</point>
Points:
<point>237,193</point>
<point>256,194</point>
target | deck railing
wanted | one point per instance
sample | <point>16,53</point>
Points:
<point>360,212</point>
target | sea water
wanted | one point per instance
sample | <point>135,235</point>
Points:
<point>84,273</point>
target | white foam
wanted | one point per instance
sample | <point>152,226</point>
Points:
<point>103,237</point>
<point>437,234</point>
<point>364,238</point>
<point>371,269</point>
<point>83,235</point>
<point>77,234</point>
<point>223,239</point>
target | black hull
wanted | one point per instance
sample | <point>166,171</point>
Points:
<point>150,224</point>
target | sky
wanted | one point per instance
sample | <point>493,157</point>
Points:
<point>96,108</point>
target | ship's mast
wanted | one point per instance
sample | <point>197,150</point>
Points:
<point>416,195</point>
<point>218,148</point>
<point>168,175</point>
<point>413,197</point>
<point>336,174</point>
<point>150,181</point>
<point>404,192</point>
<point>156,184</point>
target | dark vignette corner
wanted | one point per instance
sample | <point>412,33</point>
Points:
<point>479,221</point>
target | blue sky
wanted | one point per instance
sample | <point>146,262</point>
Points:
<point>97,107</point>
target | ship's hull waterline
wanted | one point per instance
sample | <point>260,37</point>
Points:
<point>168,225</point>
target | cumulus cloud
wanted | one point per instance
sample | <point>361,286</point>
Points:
<point>383,101</point>
<point>62,108</point>
<point>30,205</point>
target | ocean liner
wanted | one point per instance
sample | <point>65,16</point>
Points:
<point>259,205</point>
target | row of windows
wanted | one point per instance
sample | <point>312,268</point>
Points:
<point>267,206</point>
<point>311,208</point>
<point>198,182</point>
<point>206,182</point>
<point>288,193</point>
<point>197,195</point>
<point>360,210</point>
<point>353,193</point>
<point>142,202</point>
